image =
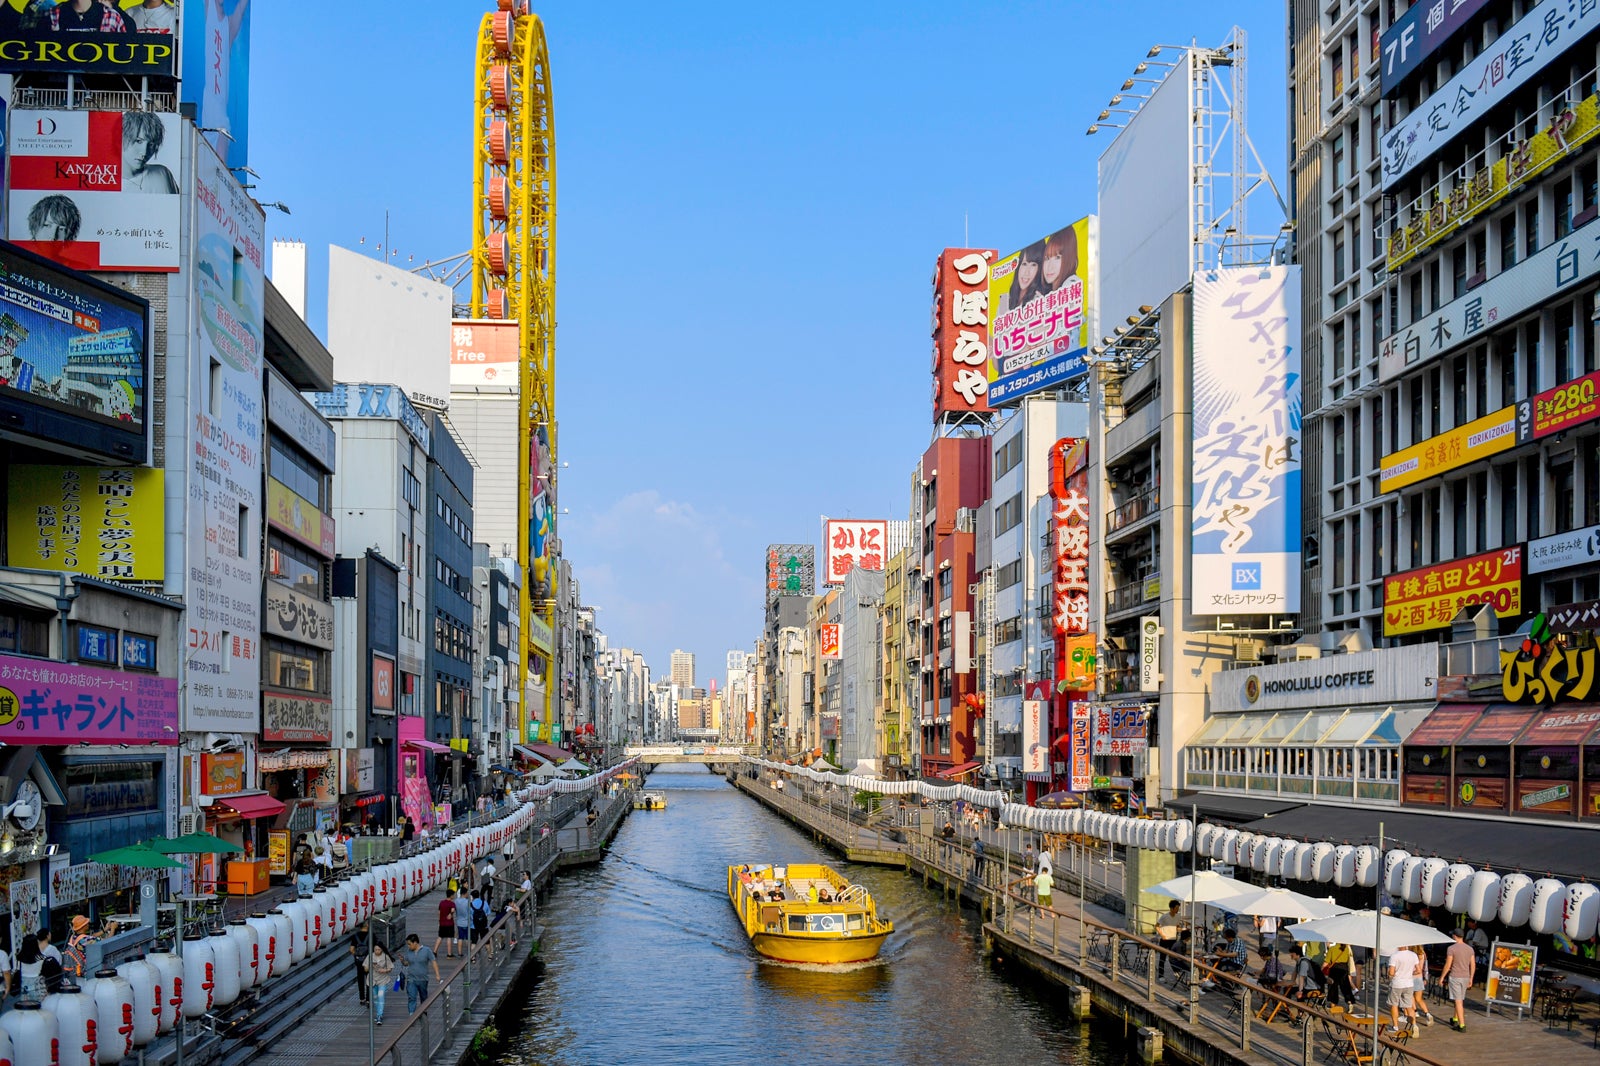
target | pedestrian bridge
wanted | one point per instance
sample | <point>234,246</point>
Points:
<point>707,754</point>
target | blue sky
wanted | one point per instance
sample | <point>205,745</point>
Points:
<point>750,201</point>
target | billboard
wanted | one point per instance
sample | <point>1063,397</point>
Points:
<point>216,73</point>
<point>1579,547</point>
<point>1120,729</point>
<point>105,522</point>
<point>96,190</point>
<point>297,516</point>
<point>222,656</point>
<point>791,570</point>
<point>1454,448</point>
<point>850,543</point>
<point>1537,39</point>
<point>1245,537</point>
<point>1416,601</point>
<point>828,640</point>
<point>73,358</point>
<point>1147,202</point>
<point>1419,32</point>
<point>1558,266</point>
<point>1069,488</point>
<point>388,324</point>
<point>1035,752</point>
<point>46,702</point>
<point>291,414</point>
<point>296,717</point>
<point>484,353</point>
<point>961,331</point>
<point>1040,310</point>
<point>118,38</point>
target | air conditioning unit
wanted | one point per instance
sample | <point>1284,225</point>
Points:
<point>191,823</point>
<point>1295,653</point>
<point>1059,768</point>
<point>966,520</point>
<point>1249,649</point>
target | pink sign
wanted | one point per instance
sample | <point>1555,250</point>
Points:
<point>46,702</point>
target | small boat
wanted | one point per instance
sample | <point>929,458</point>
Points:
<point>805,912</point>
<point>650,801</point>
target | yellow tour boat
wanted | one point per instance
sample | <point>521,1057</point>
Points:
<point>805,912</point>
<point>650,801</point>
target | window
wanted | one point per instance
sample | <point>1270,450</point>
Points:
<point>25,632</point>
<point>1008,575</point>
<point>1458,272</point>
<point>1338,449</point>
<point>1564,339</point>
<point>1530,224</point>
<point>293,565</point>
<point>294,667</point>
<point>1507,476</point>
<point>410,489</point>
<point>295,470</point>
<point>1337,163</point>
<point>1337,344</point>
<point>1008,515</point>
<point>1563,494</point>
<point>1338,258</point>
<point>1338,554</point>
<point>1008,456</point>
<point>1508,241</point>
<point>1007,631</point>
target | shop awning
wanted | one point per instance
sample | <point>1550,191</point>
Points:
<point>1566,726</point>
<point>1227,808</point>
<point>427,745</point>
<point>528,753</point>
<point>1446,724</point>
<point>958,771</point>
<point>1499,725</point>
<point>552,753</point>
<point>250,805</point>
<point>1564,850</point>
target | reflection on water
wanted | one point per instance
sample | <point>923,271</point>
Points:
<point>644,960</point>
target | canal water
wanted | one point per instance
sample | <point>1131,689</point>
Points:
<point>643,962</point>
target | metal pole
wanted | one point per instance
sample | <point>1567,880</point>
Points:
<point>1377,946</point>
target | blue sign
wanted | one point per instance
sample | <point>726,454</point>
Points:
<point>1418,33</point>
<point>138,653</point>
<point>96,645</point>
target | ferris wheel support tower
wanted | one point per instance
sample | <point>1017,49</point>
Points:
<point>514,278</point>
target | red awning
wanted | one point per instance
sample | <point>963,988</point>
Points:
<point>1568,725</point>
<point>1445,724</point>
<point>553,753</point>
<point>959,771</point>
<point>251,805</point>
<point>1500,724</point>
<point>427,745</point>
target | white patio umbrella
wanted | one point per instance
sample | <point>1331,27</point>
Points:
<point>1368,929</point>
<point>1281,903</point>
<point>1207,886</point>
<point>574,766</point>
<point>545,771</point>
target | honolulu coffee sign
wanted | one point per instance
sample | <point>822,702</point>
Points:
<point>1380,676</point>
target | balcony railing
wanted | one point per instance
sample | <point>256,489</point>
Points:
<point>1133,593</point>
<point>1141,506</point>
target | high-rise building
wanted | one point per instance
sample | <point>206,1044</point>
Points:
<point>682,673</point>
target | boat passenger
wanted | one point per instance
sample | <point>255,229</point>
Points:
<point>812,893</point>
<point>756,895</point>
<point>825,896</point>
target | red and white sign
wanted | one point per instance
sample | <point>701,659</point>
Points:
<point>852,543</point>
<point>484,353</point>
<point>961,331</point>
<point>1081,769</point>
<point>1035,751</point>
<point>1069,487</point>
<point>96,190</point>
<point>828,640</point>
<point>382,683</point>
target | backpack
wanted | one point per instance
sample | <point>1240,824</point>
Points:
<point>480,916</point>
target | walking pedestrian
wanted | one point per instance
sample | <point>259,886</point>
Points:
<point>1029,859</point>
<point>1460,967</point>
<point>1336,964</point>
<point>977,859</point>
<point>948,834</point>
<point>447,925</point>
<point>1167,927</point>
<point>380,971</point>
<point>487,882</point>
<point>1402,982</point>
<point>359,950</point>
<point>1042,883</point>
<point>1421,986</point>
<point>416,961</point>
<point>305,870</point>
<point>480,915</point>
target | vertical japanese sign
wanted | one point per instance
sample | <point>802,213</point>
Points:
<point>1069,488</point>
<point>1245,542</point>
<point>222,647</point>
<point>96,190</point>
<point>1150,653</point>
<point>828,640</point>
<point>1035,748</point>
<point>216,73</point>
<point>852,543</point>
<point>1080,768</point>
<point>1041,303</point>
<point>961,332</point>
<point>791,570</point>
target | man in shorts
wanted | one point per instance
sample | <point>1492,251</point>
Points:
<point>1403,966</point>
<point>1460,967</point>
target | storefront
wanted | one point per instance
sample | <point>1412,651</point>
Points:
<point>416,753</point>
<point>1119,746</point>
<point>1326,729</point>
<point>1508,759</point>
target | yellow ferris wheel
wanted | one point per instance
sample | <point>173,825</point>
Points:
<point>514,277</point>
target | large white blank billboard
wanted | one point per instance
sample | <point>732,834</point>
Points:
<point>1145,202</point>
<point>390,325</point>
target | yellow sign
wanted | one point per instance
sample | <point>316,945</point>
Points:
<point>1456,203</point>
<point>104,522</point>
<point>1081,662</point>
<point>1478,439</point>
<point>278,851</point>
<point>299,517</point>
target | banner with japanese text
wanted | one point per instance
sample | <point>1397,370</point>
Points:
<point>1245,537</point>
<point>104,522</point>
<point>1040,308</point>
<point>46,702</point>
<point>961,331</point>
<point>852,543</point>
<point>1428,598</point>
